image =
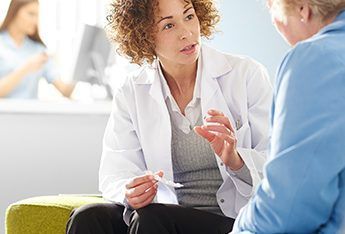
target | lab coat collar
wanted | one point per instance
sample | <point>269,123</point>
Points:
<point>214,64</point>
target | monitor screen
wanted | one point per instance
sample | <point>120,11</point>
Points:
<point>92,56</point>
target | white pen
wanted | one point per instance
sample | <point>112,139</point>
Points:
<point>167,182</point>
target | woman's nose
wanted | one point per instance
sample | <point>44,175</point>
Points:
<point>185,33</point>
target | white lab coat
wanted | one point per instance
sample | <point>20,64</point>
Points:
<point>138,134</point>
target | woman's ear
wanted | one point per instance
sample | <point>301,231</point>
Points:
<point>305,12</point>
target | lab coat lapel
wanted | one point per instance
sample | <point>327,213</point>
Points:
<point>215,66</point>
<point>159,157</point>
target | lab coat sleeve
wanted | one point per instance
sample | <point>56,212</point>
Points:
<point>243,173</point>
<point>259,96</point>
<point>122,156</point>
<point>304,179</point>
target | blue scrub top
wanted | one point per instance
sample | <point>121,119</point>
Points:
<point>13,56</point>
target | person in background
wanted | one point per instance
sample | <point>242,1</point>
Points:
<point>191,114</point>
<point>23,57</point>
<point>304,186</point>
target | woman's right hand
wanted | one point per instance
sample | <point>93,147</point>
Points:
<point>141,190</point>
<point>35,63</point>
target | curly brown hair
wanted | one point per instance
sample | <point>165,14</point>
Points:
<point>132,26</point>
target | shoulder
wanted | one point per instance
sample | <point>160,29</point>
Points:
<point>244,62</point>
<point>3,40</point>
<point>235,61</point>
<point>36,46</point>
<point>6,50</point>
<point>311,77</point>
<point>141,75</point>
<point>238,70</point>
<point>312,59</point>
<point>3,34</point>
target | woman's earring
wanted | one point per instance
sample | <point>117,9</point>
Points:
<point>302,20</point>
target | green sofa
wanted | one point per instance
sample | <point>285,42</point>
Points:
<point>44,215</point>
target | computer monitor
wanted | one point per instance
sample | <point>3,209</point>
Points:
<point>92,57</point>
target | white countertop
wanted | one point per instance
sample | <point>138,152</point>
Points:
<point>9,106</point>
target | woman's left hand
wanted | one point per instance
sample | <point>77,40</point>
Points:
<point>221,136</point>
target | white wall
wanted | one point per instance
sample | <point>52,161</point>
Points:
<point>246,29</point>
<point>49,149</point>
<point>3,9</point>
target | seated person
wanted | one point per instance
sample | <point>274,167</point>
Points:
<point>191,114</point>
<point>304,186</point>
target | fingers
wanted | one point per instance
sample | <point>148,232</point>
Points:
<point>140,189</point>
<point>217,140</point>
<point>221,120</point>
<point>144,199</point>
<point>139,180</point>
<point>217,128</point>
<point>227,138</point>
<point>218,117</point>
<point>214,112</point>
<point>160,173</point>
<point>220,132</point>
<point>204,133</point>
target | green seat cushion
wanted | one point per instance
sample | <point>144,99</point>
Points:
<point>44,215</point>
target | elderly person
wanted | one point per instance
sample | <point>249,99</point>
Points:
<point>191,114</point>
<point>304,186</point>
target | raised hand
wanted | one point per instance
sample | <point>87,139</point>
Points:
<point>221,136</point>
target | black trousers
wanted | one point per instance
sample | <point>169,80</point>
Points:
<point>152,219</point>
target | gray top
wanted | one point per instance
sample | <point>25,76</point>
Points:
<point>195,166</point>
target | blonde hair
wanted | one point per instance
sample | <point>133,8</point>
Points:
<point>324,9</point>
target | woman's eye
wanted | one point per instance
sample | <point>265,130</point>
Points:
<point>189,17</point>
<point>168,26</point>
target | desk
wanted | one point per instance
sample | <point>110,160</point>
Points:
<point>48,148</point>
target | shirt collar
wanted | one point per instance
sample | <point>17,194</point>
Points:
<point>9,40</point>
<point>338,23</point>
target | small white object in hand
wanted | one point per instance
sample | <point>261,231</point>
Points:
<point>167,182</point>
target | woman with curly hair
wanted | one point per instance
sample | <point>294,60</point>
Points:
<point>191,114</point>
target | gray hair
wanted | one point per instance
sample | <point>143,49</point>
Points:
<point>322,8</point>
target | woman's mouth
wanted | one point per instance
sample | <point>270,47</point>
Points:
<point>190,49</point>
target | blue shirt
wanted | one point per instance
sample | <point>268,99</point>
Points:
<point>304,186</point>
<point>13,56</point>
